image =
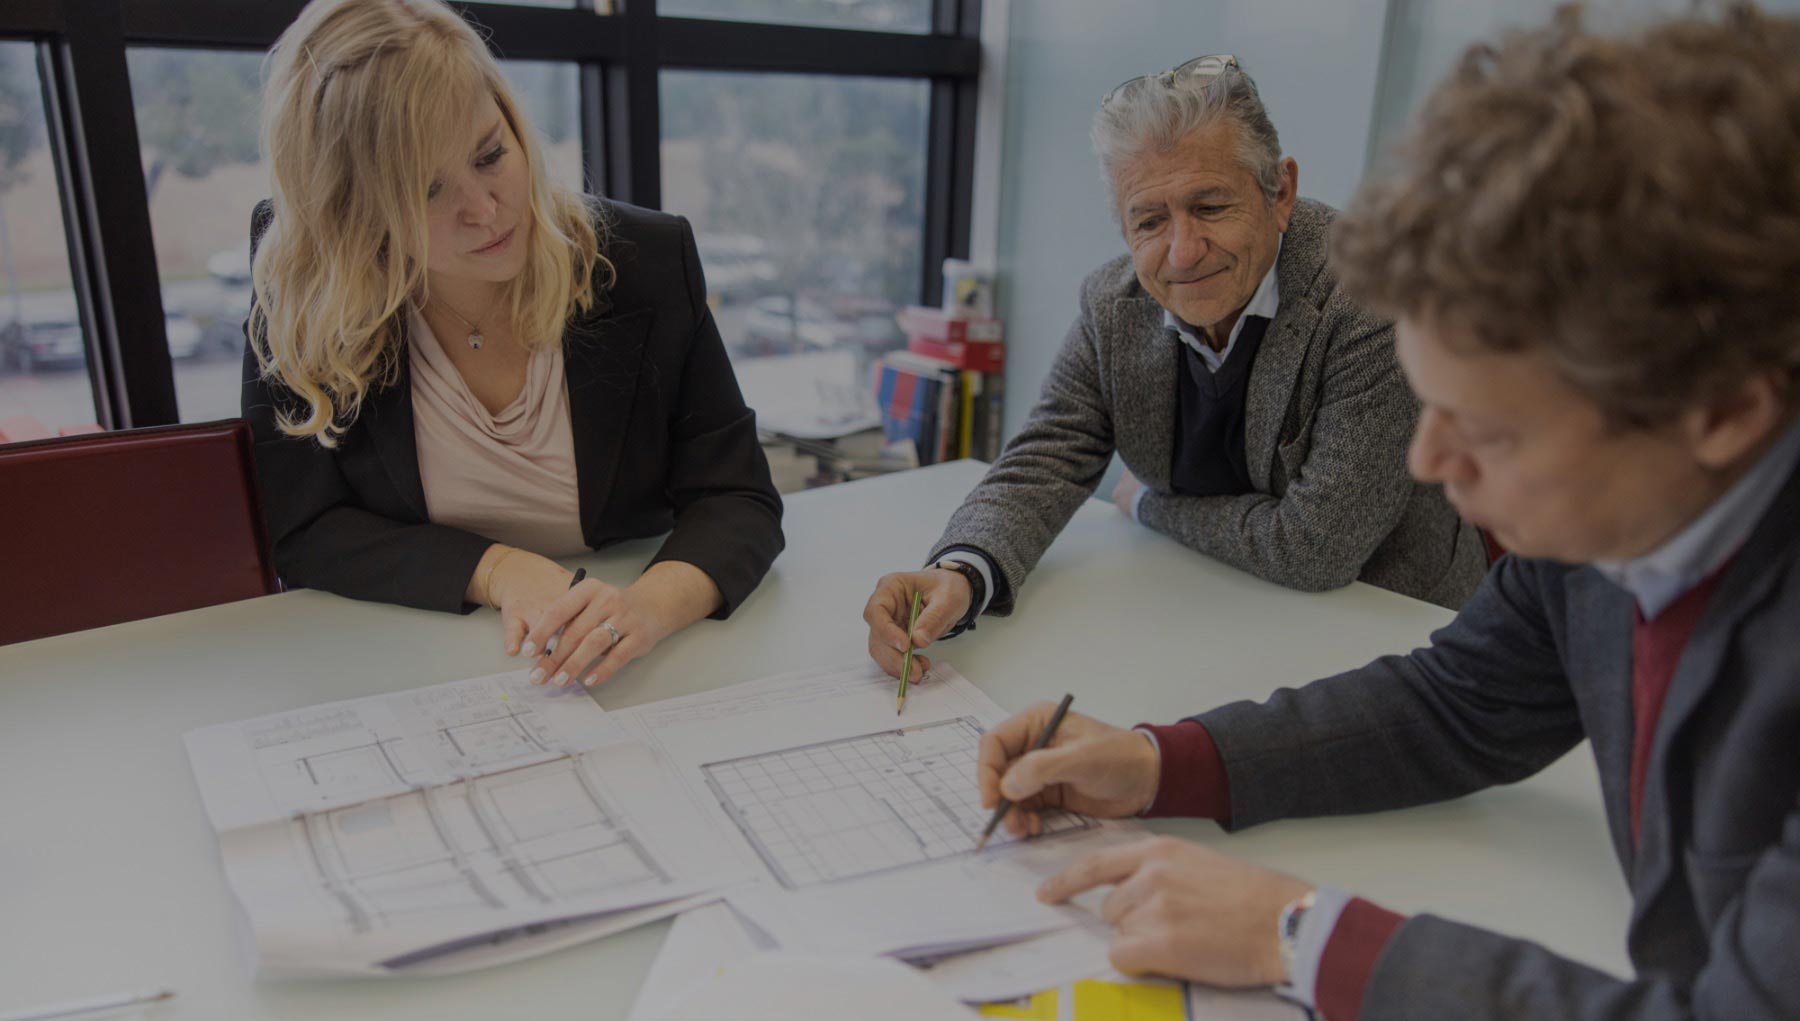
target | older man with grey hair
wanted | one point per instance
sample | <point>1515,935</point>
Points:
<point>1260,413</point>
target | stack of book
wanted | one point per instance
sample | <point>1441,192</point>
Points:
<point>945,391</point>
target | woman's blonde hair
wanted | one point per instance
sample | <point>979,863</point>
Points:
<point>363,101</point>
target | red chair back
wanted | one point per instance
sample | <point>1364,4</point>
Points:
<point>105,528</point>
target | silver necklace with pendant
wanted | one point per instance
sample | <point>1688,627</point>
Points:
<point>475,338</point>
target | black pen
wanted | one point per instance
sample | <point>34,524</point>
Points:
<point>1005,805</point>
<point>550,646</point>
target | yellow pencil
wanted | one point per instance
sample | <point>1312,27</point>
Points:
<point>906,667</point>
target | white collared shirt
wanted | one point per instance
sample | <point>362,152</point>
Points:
<point>1265,302</point>
<point>1662,575</point>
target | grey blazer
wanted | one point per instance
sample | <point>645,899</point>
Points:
<point>1539,659</point>
<point>1328,419</point>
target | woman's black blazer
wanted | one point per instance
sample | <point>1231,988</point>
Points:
<point>663,443</point>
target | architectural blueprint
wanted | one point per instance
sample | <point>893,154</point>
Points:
<point>365,834</point>
<point>863,832</point>
<point>862,805</point>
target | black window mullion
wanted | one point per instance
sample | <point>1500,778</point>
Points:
<point>962,162</point>
<point>229,24</point>
<point>634,112</point>
<point>107,215</point>
<point>32,17</point>
<point>940,191</point>
<point>520,33</point>
<point>593,129</point>
<point>718,45</point>
<point>547,33</point>
<point>950,153</point>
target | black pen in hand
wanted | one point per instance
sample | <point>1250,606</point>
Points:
<point>1005,804</point>
<point>550,646</point>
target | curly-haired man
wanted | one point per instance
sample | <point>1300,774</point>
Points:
<point>1592,246</point>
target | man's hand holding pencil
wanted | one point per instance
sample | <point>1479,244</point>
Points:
<point>944,599</point>
<point>1089,767</point>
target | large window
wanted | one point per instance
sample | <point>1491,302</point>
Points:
<point>203,174</point>
<point>807,195</point>
<point>197,113</point>
<point>822,149</point>
<point>44,386</point>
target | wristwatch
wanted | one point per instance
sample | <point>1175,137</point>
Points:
<point>977,594</point>
<point>1287,930</point>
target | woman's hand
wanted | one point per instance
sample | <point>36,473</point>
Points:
<point>605,627</point>
<point>521,584</point>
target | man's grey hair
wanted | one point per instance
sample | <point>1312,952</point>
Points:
<point>1154,114</point>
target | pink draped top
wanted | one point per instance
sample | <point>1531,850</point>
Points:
<point>508,476</point>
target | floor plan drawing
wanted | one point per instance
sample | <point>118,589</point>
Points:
<point>532,834</point>
<point>862,805</point>
<point>440,828</point>
<point>323,757</point>
<point>472,728</point>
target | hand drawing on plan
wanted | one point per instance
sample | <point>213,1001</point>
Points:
<point>858,806</point>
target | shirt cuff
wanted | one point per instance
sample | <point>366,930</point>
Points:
<point>982,565</point>
<point>1191,775</point>
<point>1309,945</point>
<point>1137,501</point>
<point>1362,932</point>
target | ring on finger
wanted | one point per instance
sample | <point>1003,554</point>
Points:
<point>610,630</point>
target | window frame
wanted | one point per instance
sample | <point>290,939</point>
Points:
<point>82,46</point>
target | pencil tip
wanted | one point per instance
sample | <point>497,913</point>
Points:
<point>979,844</point>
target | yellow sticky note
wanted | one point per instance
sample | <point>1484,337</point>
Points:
<point>1096,1000</point>
<point>1041,1007</point>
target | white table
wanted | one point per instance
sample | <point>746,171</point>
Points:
<point>109,878</point>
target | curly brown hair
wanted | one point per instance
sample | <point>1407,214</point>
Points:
<point>1627,205</point>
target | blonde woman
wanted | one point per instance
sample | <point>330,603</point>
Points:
<point>457,370</point>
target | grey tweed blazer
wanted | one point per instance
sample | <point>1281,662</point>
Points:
<point>1328,419</point>
<point>1538,660</point>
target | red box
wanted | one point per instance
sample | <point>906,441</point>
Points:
<point>936,324</point>
<point>963,355</point>
<point>973,344</point>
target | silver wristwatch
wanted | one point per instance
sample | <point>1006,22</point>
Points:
<point>1287,930</point>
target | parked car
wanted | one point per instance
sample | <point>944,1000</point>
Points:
<point>778,324</point>
<point>185,336</point>
<point>737,266</point>
<point>825,322</point>
<point>47,344</point>
<point>59,344</point>
<point>230,266</point>
<point>222,324</point>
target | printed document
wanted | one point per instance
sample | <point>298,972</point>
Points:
<point>446,827</point>
<point>1062,976</point>
<point>861,825</point>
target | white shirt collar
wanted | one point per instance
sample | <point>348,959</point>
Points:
<point>1265,302</point>
<point>1662,575</point>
